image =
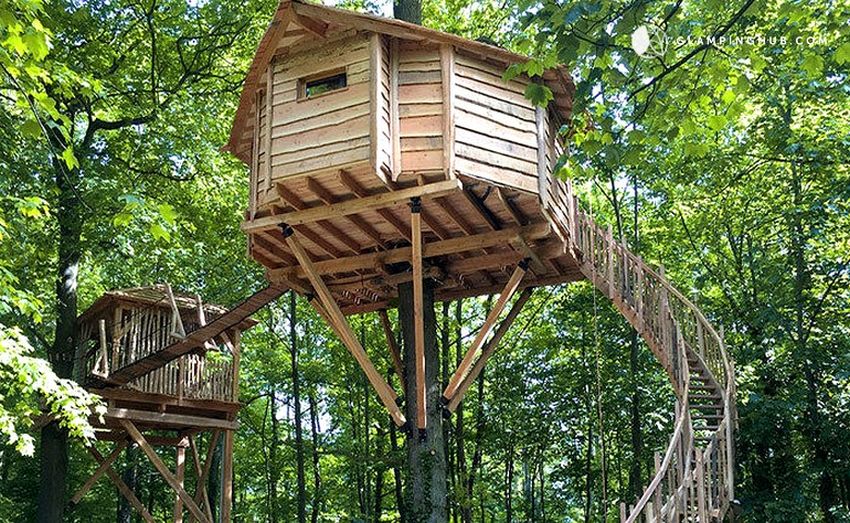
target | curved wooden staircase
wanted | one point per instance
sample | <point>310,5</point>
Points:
<point>694,480</point>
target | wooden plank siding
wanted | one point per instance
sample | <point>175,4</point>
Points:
<point>330,130</point>
<point>420,108</point>
<point>495,132</point>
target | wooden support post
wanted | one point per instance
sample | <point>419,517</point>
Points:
<point>507,293</point>
<point>418,313</point>
<point>177,330</point>
<point>700,485</point>
<point>122,487</point>
<point>395,353</point>
<point>343,329</point>
<point>489,349</point>
<point>227,479</point>
<point>104,464</point>
<point>103,359</point>
<point>179,473</point>
<point>163,470</point>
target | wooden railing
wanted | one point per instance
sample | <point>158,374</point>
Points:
<point>690,483</point>
<point>138,334</point>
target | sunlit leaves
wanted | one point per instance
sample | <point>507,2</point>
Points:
<point>29,382</point>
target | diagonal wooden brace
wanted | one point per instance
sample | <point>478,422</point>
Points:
<point>418,313</point>
<point>121,486</point>
<point>164,471</point>
<point>340,325</point>
<point>101,469</point>
<point>489,348</point>
<point>507,293</point>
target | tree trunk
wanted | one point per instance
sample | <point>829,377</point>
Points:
<point>460,433</point>
<point>426,463</point>
<point>54,440</point>
<point>214,481</point>
<point>317,475</point>
<point>296,400</point>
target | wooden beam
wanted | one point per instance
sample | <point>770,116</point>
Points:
<point>310,215</point>
<point>395,353</point>
<point>462,292</point>
<point>343,329</point>
<point>418,314</point>
<point>179,474</point>
<point>203,473</point>
<point>506,294</point>
<point>227,479</point>
<point>162,419</point>
<point>403,254</point>
<point>122,487</point>
<point>317,27</point>
<point>329,199</point>
<point>489,348</point>
<point>351,184</point>
<point>512,209</point>
<point>295,202</point>
<point>482,210</point>
<point>99,471</point>
<point>534,261</point>
<point>163,471</point>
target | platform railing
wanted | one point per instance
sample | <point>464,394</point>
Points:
<point>691,483</point>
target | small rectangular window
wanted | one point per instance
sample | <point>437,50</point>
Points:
<point>327,83</point>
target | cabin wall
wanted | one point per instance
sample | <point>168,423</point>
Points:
<point>495,125</point>
<point>420,108</point>
<point>326,131</point>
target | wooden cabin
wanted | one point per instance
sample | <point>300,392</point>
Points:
<point>381,152</point>
<point>341,106</point>
<point>167,367</point>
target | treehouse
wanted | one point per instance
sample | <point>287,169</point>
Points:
<point>167,366</point>
<point>381,153</point>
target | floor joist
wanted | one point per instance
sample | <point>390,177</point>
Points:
<point>489,348</point>
<point>506,294</point>
<point>403,254</point>
<point>346,208</point>
<point>337,320</point>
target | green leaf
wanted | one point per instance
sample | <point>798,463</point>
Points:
<point>813,65</point>
<point>167,212</point>
<point>716,122</point>
<point>158,232</point>
<point>540,95</point>
<point>122,219</point>
<point>31,129</point>
<point>842,54</point>
<point>70,159</point>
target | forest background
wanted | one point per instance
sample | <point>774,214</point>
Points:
<point>725,160</point>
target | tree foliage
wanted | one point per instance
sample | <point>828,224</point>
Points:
<point>727,160</point>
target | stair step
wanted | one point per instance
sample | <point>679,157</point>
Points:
<point>707,416</point>
<point>703,387</point>
<point>700,406</point>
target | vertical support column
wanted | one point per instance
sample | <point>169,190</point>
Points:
<point>447,68</point>
<point>418,313</point>
<point>179,474</point>
<point>227,477</point>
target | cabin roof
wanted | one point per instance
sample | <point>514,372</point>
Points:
<point>316,20</point>
<point>151,295</point>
